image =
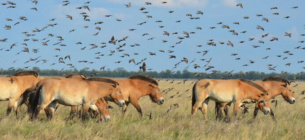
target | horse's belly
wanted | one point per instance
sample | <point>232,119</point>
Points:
<point>225,98</point>
<point>69,100</point>
<point>4,96</point>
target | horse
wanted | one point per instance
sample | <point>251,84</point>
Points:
<point>13,87</point>
<point>29,94</point>
<point>274,85</point>
<point>73,92</point>
<point>101,109</point>
<point>137,86</point>
<point>225,91</point>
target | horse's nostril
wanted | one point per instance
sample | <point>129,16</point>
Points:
<point>162,101</point>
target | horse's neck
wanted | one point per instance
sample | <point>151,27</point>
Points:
<point>270,87</point>
<point>27,81</point>
<point>140,89</point>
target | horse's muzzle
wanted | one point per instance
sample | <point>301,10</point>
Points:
<point>161,101</point>
<point>266,111</point>
<point>107,118</point>
<point>121,103</point>
<point>292,100</point>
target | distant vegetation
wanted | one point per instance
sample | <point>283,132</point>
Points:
<point>185,74</point>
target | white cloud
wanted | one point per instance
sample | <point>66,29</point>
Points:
<point>229,3</point>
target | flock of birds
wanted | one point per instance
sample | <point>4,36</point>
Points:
<point>62,42</point>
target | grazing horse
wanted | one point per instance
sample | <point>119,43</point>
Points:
<point>12,88</point>
<point>137,86</point>
<point>73,92</point>
<point>274,86</point>
<point>100,108</point>
<point>225,91</point>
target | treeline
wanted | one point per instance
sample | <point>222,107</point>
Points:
<point>185,74</point>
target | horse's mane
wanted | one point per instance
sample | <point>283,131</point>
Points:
<point>72,75</point>
<point>144,78</point>
<point>254,85</point>
<point>279,79</point>
<point>23,73</point>
<point>100,79</point>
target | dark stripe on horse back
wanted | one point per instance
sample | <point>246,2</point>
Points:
<point>144,78</point>
<point>71,75</point>
<point>279,79</point>
<point>23,73</point>
<point>253,84</point>
<point>99,79</point>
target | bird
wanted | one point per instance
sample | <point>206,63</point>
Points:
<point>112,40</point>
<point>240,5</point>
<point>69,16</point>
<point>143,67</point>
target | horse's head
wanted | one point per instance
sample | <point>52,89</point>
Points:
<point>263,104</point>
<point>104,108</point>
<point>287,93</point>
<point>117,95</point>
<point>155,94</point>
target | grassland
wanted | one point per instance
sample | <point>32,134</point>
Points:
<point>176,124</point>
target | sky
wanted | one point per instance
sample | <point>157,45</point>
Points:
<point>213,35</point>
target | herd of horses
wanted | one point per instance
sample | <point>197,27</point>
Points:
<point>93,93</point>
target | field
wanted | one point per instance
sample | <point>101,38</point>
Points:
<point>175,124</point>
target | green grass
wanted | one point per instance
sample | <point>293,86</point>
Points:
<point>177,124</point>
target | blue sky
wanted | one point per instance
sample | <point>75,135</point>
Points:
<point>285,54</point>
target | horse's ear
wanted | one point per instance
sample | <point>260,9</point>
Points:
<point>152,85</point>
<point>285,85</point>
<point>265,93</point>
<point>110,107</point>
<point>115,85</point>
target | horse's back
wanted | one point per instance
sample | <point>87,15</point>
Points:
<point>219,90</point>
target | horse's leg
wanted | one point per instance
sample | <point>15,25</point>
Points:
<point>73,112</point>
<point>205,108</point>
<point>197,104</point>
<point>236,107</point>
<point>218,111</point>
<point>11,105</point>
<point>255,111</point>
<point>226,110</point>
<point>39,109</point>
<point>272,115</point>
<point>85,111</point>
<point>137,106</point>
<point>124,108</point>
<point>48,112</point>
<point>52,108</point>
<point>16,109</point>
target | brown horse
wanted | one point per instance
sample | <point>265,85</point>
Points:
<point>225,91</point>
<point>30,94</point>
<point>101,109</point>
<point>14,86</point>
<point>73,92</point>
<point>274,85</point>
<point>137,86</point>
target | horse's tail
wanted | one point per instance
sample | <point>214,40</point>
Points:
<point>24,97</point>
<point>195,91</point>
<point>34,101</point>
<point>194,96</point>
